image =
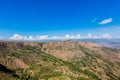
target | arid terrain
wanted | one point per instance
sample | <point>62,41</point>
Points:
<point>66,60</point>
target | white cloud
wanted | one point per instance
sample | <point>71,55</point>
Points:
<point>106,36</point>
<point>20,37</point>
<point>66,37</point>
<point>94,20</point>
<point>105,21</point>
<point>89,35</point>
<point>17,37</point>
<point>1,37</point>
<point>42,37</point>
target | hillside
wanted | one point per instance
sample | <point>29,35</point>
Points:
<point>66,60</point>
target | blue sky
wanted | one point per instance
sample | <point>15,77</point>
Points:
<point>59,17</point>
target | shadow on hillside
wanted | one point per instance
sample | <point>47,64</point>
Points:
<point>4,69</point>
<point>8,71</point>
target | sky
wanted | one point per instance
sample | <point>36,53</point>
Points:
<point>59,19</point>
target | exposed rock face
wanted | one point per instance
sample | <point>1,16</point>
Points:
<point>3,44</point>
<point>19,63</point>
<point>33,44</point>
<point>67,49</point>
<point>20,44</point>
<point>67,44</point>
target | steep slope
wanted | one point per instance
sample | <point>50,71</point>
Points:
<point>103,62</point>
<point>58,61</point>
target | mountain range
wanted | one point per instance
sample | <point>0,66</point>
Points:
<point>60,60</point>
